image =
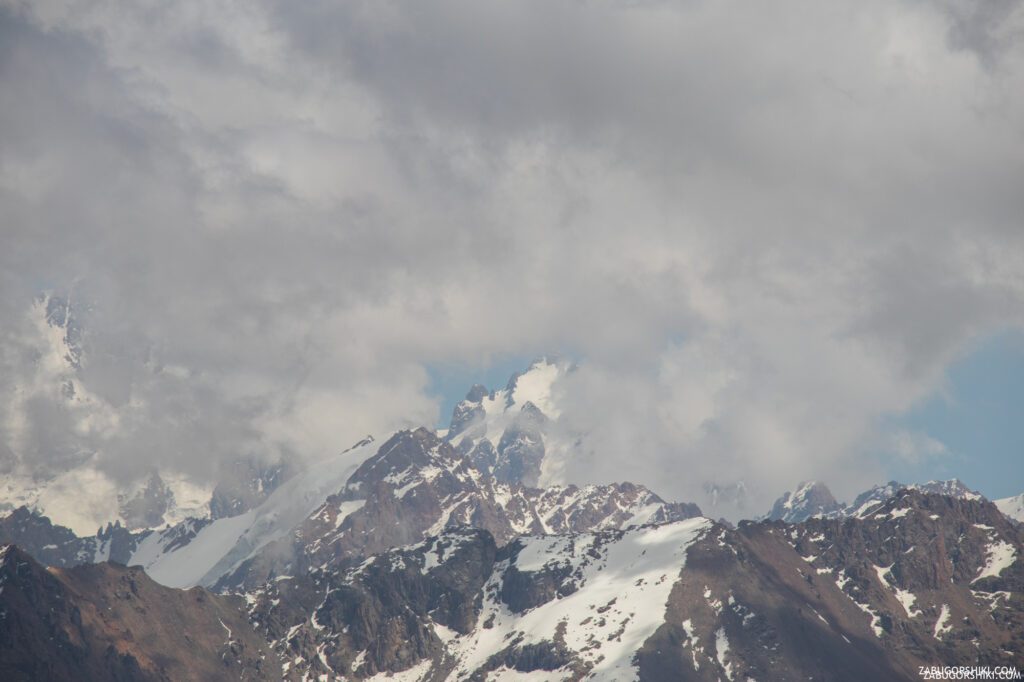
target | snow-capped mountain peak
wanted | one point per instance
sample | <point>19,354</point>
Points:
<point>488,414</point>
<point>503,432</point>
<point>811,498</point>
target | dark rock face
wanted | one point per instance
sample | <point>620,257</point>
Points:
<point>477,393</point>
<point>743,608</point>
<point>146,509</point>
<point>61,315</point>
<point>480,455</point>
<point>383,615</point>
<point>107,622</point>
<point>468,413</point>
<point>937,573</point>
<point>51,544</point>
<point>521,448</point>
<point>244,484</point>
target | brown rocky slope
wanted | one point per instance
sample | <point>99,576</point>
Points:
<point>108,622</point>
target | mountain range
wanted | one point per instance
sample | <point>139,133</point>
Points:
<point>923,578</point>
<point>438,554</point>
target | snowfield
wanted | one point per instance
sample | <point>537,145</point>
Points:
<point>619,602</point>
<point>224,544</point>
<point>1012,507</point>
<point>1001,556</point>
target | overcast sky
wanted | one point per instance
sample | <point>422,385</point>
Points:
<point>765,231</point>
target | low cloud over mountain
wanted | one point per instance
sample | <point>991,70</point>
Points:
<point>758,238</point>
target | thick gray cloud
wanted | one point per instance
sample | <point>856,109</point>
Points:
<point>762,230</point>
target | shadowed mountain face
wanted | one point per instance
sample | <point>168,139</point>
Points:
<point>107,622</point>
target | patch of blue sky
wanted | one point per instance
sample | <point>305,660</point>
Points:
<point>451,381</point>
<point>979,418</point>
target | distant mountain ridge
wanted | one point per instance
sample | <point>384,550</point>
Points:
<point>813,499</point>
<point>921,579</point>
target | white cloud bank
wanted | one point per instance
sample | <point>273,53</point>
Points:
<point>763,229</point>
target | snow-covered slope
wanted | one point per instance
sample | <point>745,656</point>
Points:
<point>1012,507</point>
<point>221,545</point>
<point>612,599</point>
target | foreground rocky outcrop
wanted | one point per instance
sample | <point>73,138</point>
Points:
<point>108,622</point>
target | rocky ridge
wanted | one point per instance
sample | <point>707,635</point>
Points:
<point>813,499</point>
<point>925,579</point>
<point>107,622</point>
<point>417,484</point>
